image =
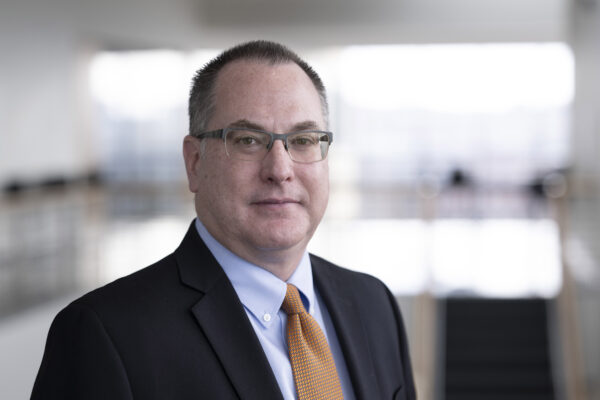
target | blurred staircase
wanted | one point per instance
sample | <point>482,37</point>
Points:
<point>497,349</point>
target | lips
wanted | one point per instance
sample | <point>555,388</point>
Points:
<point>275,201</point>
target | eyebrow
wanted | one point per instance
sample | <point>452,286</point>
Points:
<point>305,125</point>
<point>244,123</point>
<point>301,126</point>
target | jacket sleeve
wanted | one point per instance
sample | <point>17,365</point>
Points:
<point>409,390</point>
<point>80,360</point>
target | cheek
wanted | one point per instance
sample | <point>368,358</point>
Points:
<point>324,182</point>
<point>231,183</point>
<point>210,182</point>
<point>317,184</point>
<point>324,197</point>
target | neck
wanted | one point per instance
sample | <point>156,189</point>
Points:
<point>281,262</point>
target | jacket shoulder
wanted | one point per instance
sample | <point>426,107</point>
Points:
<point>347,276</point>
<point>376,309</point>
<point>140,291</point>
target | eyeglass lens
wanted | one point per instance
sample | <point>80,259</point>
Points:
<point>305,147</point>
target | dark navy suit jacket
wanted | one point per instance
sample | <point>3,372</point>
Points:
<point>177,330</point>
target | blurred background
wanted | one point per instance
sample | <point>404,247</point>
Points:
<point>465,170</point>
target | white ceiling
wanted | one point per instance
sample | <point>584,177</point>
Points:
<point>334,22</point>
<point>305,23</point>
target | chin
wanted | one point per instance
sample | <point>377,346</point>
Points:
<point>277,243</point>
<point>280,240</point>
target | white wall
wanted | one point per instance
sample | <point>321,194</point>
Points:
<point>45,48</point>
<point>45,124</point>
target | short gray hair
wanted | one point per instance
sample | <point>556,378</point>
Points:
<point>202,97</point>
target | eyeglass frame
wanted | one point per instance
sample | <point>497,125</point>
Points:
<point>222,134</point>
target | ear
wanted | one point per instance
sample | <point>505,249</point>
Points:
<point>192,158</point>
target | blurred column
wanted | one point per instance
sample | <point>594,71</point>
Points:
<point>582,248</point>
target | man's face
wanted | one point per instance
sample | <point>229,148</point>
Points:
<point>258,207</point>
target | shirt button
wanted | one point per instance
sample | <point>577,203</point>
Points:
<point>267,317</point>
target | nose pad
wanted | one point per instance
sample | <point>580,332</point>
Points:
<point>285,148</point>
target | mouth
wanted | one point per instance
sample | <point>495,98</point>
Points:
<point>275,202</point>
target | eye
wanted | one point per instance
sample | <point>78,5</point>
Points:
<point>244,138</point>
<point>304,140</point>
<point>247,140</point>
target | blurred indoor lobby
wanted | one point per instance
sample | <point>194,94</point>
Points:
<point>465,168</point>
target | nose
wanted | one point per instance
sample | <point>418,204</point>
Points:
<point>277,166</point>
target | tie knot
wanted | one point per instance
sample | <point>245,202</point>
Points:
<point>292,303</point>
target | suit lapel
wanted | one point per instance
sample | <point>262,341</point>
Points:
<point>222,318</point>
<point>226,326</point>
<point>349,329</point>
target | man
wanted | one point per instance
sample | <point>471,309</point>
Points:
<point>240,310</point>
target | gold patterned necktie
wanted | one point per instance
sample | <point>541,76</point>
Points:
<point>312,363</point>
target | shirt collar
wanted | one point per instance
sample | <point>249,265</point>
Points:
<point>260,291</point>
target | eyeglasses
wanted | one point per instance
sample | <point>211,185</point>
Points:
<point>306,146</point>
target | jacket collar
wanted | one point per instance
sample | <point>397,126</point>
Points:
<point>341,304</point>
<point>220,310</point>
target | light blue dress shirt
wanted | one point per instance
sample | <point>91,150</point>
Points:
<point>262,294</point>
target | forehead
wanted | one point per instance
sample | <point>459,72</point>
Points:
<point>265,93</point>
